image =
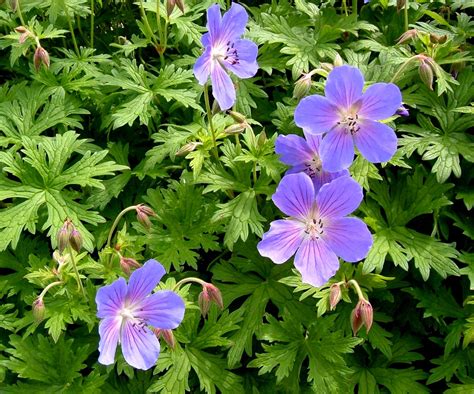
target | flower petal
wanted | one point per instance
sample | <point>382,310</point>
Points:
<point>380,101</point>
<point>376,141</point>
<point>223,89</point>
<point>234,22</point>
<point>163,309</point>
<point>214,23</point>
<point>281,241</point>
<point>293,149</point>
<point>202,67</point>
<point>316,262</point>
<point>140,347</point>
<point>247,66</point>
<point>294,195</point>
<point>316,114</point>
<point>344,86</point>
<point>313,140</point>
<point>143,281</point>
<point>337,150</point>
<point>323,177</point>
<point>110,299</point>
<point>339,198</point>
<point>109,330</point>
<point>349,238</point>
<point>206,39</point>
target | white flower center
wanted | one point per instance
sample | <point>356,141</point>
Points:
<point>225,52</point>
<point>314,228</point>
<point>313,166</point>
<point>350,122</point>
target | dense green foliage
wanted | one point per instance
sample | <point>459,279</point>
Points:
<point>119,119</point>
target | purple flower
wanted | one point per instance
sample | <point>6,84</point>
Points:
<point>317,229</point>
<point>127,310</point>
<point>303,155</point>
<point>349,116</point>
<point>225,51</point>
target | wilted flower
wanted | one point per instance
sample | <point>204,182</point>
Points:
<point>362,315</point>
<point>210,293</point>
<point>226,51</point>
<point>349,117</point>
<point>335,295</point>
<point>317,229</point>
<point>127,310</point>
<point>41,56</point>
<point>303,155</point>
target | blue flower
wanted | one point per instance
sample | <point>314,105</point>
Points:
<point>226,51</point>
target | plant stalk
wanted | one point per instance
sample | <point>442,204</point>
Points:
<point>116,222</point>
<point>209,119</point>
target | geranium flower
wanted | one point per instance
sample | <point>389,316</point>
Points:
<point>350,117</point>
<point>303,156</point>
<point>225,51</point>
<point>126,312</point>
<point>317,229</point>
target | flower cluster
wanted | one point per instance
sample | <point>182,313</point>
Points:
<point>317,193</point>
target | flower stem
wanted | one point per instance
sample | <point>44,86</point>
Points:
<point>209,119</point>
<point>405,13</point>
<point>116,222</point>
<point>20,15</point>
<point>92,22</point>
<point>158,20</point>
<point>46,289</point>
<point>356,286</point>
<point>403,68</point>
<point>73,36</point>
<point>192,279</point>
<point>146,23</point>
<point>354,8</point>
<point>73,261</point>
<point>344,7</point>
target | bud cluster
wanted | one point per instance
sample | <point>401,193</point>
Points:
<point>143,215</point>
<point>69,235</point>
<point>210,293</point>
<point>171,4</point>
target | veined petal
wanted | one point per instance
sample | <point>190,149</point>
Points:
<point>294,195</point>
<point>313,140</point>
<point>247,65</point>
<point>110,299</point>
<point>214,23</point>
<point>316,262</point>
<point>140,347</point>
<point>281,241</point>
<point>223,89</point>
<point>316,114</point>
<point>380,101</point>
<point>295,169</point>
<point>323,177</point>
<point>109,330</point>
<point>344,86</point>
<point>143,281</point>
<point>234,22</point>
<point>163,309</point>
<point>337,150</point>
<point>376,141</point>
<point>206,39</point>
<point>293,149</point>
<point>202,67</point>
<point>349,238</point>
<point>339,198</point>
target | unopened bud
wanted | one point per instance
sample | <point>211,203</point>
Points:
<point>400,4</point>
<point>338,60</point>
<point>237,116</point>
<point>326,67</point>
<point>167,335</point>
<point>426,74</point>
<point>438,39</point>
<point>13,5</point>
<point>143,215</point>
<point>170,4</point>
<point>402,111</point>
<point>21,29</point>
<point>187,148</point>
<point>407,36</point>
<point>127,263</point>
<point>41,57</point>
<point>362,315</point>
<point>302,86</point>
<point>180,4</point>
<point>335,295</point>
<point>38,309</point>
<point>262,138</point>
<point>122,40</point>
<point>235,129</point>
<point>210,293</point>
<point>75,240</point>
<point>23,37</point>
<point>63,239</point>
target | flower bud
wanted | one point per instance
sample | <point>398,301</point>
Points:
<point>167,335</point>
<point>210,293</point>
<point>13,5</point>
<point>362,315</point>
<point>407,36</point>
<point>187,148</point>
<point>335,295</point>
<point>126,263</point>
<point>262,138</point>
<point>63,239</point>
<point>438,39</point>
<point>402,111</point>
<point>326,67</point>
<point>21,29</point>
<point>180,4</point>
<point>302,86</point>
<point>170,4</point>
<point>143,215</point>
<point>338,60</point>
<point>426,74</point>
<point>38,309</point>
<point>237,116</point>
<point>41,57</point>
<point>23,37</point>
<point>235,129</point>
<point>400,4</point>
<point>75,240</point>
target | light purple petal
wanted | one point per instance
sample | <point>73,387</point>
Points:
<point>316,114</point>
<point>206,39</point>
<point>110,299</point>
<point>202,67</point>
<point>163,309</point>
<point>281,241</point>
<point>140,347</point>
<point>294,195</point>
<point>337,150</point>
<point>109,330</point>
<point>313,140</point>
<point>293,149</point>
<point>297,168</point>
<point>223,89</point>
<point>234,22</point>
<point>349,238</point>
<point>380,101</point>
<point>143,281</point>
<point>214,23</point>
<point>376,141</point>
<point>316,262</point>
<point>344,86</point>
<point>323,177</point>
<point>339,198</point>
<point>247,53</point>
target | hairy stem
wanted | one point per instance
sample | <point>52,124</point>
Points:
<point>71,29</point>
<point>188,280</point>
<point>403,68</point>
<point>20,15</point>
<point>209,119</point>
<point>116,222</point>
<point>78,277</point>
<point>357,288</point>
<point>405,14</point>
<point>46,289</point>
